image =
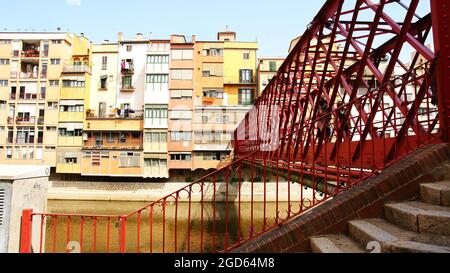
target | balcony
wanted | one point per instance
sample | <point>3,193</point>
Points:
<point>29,75</point>
<point>115,114</point>
<point>114,144</point>
<point>72,93</point>
<point>114,124</point>
<point>24,96</point>
<point>76,69</point>
<point>23,141</point>
<point>127,89</point>
<point>30,53</point>
<point>127,67</point>
<point>25,120</point>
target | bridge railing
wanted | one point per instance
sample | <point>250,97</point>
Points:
<point>334,115</point>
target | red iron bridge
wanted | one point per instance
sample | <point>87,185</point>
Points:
<point>345,105</point>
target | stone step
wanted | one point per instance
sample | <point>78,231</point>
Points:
<point>392,238</point>
<point>436,193</point>
<point>420,217</point>
<point>415,247</point>
<point>334,243</point>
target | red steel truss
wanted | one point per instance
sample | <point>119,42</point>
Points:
<point>360,90</point>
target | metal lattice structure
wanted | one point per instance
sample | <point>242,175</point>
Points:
<point>343,106</point>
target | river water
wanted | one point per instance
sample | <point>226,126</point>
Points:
<point>192,228</point>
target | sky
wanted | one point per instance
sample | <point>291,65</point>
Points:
<point>272,23</point>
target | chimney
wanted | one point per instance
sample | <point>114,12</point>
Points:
<point>193,38</point>
<point>139,36</point>
<point>119,36</point>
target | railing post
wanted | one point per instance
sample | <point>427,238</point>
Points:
<point>440,12</point>
<point>26,231</point>
<point>122,233</point>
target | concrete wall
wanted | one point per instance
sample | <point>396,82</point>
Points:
<point>26,194</point>
<point>148,192</point>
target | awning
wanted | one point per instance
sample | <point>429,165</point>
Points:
<point>155,156</point>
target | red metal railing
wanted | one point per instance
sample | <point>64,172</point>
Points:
<point>342,107</point>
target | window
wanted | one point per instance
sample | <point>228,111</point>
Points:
<point>122,137</point>
<point>55,61</point>
<point>246,55</point>
<point>204,119</point>
<point>213,52</point>
<point>156,137</point>
<point>181,94</point>
<point>127,82</point>
<point>157,113</point>
<point>245,96</point>
<point>180,157</point>
<point>3,82</point>
<point>213,93</point>
<point>245,75</point>
<point>50,128</point>
<point>5,42</point>
<point>180,136</point>
<point>4,61</point>
<point>53,83</point>
<point>8,153</point>
<point>72,108</point>
<point>157,78</point>
<point>56,41</point>
<point>52,105</point>
<point>103,82</point>
<point>273,66</point>
<point>181,74</point>
<point>158,59</point>
<point>212,70</point>
<point>104,62</point>
<point>129,48</point>
<point>64,132</point>
<point>154,162</point>
<point>73,83</point>
<point>129,160</point>
<point>182,54</point>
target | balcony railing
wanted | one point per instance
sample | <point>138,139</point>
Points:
<point>27,96</point>
<point>29,140</point>
<point>10,120</point>
<point>13,74</point>
<point>114,144</point>
<point>30,53</point>
<point>127,88</point>
<point>76,69</point>
<point>9,140</point>
<point>25,120</point>
<point>40,120</point>
<point>28,75</point>
<point>131,114</point>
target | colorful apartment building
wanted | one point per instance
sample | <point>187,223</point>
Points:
<point>113,132</point>
<point>156,99</point>
<point>267,69</point>
<point>148,108</point>
<point>41,73</point>
<point>181,84</point>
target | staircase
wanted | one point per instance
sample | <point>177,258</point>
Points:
<point>420,226</point>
